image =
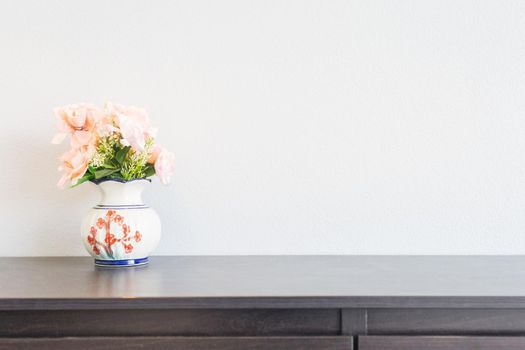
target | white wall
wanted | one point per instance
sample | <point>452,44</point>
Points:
<point>300,127</point>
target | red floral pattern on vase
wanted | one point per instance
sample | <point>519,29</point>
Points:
<point>110,240</point>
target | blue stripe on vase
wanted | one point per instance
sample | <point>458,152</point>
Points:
<point>125,262</point>
<point>120,207</point>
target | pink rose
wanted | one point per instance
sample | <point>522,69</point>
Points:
<point>79,120</point>
<point>106,126</point>
<point>74,163</point>
<point>132,133</point>
<point>165,166</point>
<point>134,125</point>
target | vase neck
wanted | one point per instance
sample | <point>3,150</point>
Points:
<point>122,193</point>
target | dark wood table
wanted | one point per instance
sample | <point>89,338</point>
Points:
<point>265,302</point>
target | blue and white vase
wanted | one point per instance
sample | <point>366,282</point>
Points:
<point>121,230</point>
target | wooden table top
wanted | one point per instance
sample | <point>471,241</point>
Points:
<point>266,282</point>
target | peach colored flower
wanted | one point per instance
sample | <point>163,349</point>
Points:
<point>79,120</point>
<point>85,124</point>
<point>74,163</point>
<point>165,166</point>
<point>154,154</point>
<point>106,125</point>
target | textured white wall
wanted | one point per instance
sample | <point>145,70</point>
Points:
<point>300,127</point>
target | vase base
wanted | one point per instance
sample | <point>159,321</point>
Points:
<point>122,263</point>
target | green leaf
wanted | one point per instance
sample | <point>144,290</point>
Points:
<point>91,170</point>
<point>86,177</point>
<point>121,154</point>
<point>109,165</point>
<point>104,172</point>
<point>149,171</point>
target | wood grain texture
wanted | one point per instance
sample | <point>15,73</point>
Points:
<point>446,321</point>
<point>266,282</point>
<point>202,322</point>
<point>440,343</point>
<point>179,343</point>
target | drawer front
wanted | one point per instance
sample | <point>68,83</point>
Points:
<point>179,343</point>
<point>439,342</point>
<point>171,322</point>
<point>462,322</point>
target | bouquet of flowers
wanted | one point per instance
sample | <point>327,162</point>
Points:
<point>116,142</point>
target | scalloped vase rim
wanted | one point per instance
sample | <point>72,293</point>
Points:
<point>98,182</point>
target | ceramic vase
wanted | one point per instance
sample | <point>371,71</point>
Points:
<point>121,230</point>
